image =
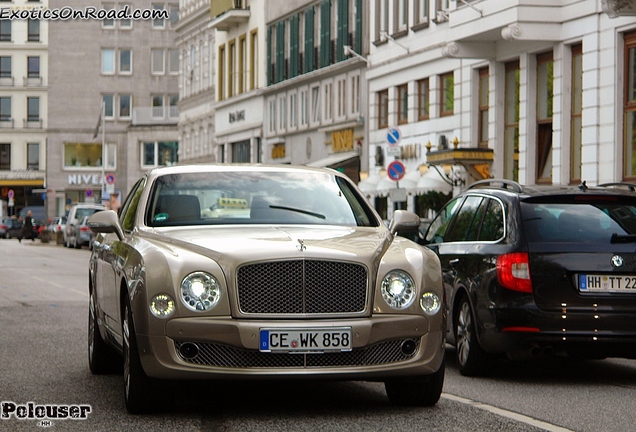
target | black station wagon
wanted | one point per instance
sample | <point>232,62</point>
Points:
<point>538,271</point>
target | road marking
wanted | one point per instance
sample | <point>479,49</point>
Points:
<point>505,413</point>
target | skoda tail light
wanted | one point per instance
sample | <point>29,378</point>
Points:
<point>513,272</point>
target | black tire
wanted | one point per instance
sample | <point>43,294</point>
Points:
<point>471,358</point>
<point>138,394</point>
<point>102,359</point>
<point>416,391</point>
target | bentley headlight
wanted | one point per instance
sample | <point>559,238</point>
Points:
<point>162,305</point>
<point>200,291</point>
<point>398,289</point>
<point>430,303</point>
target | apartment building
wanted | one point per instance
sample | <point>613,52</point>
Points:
<point>23,107</point>
<point>127,69</point>
<point>533,91</point>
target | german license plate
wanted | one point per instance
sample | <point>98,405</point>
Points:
<point>606,283</point>
<point>313,340</point>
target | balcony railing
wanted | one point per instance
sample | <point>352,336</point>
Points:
<point>6,123</point>
<point>155,115</point>
<point>32,81</point>
<point>228,13</point>
<point>32,123</point>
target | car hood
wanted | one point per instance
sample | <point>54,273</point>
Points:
<point>232,245</point>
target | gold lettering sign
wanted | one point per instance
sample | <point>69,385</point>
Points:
<point>278,151</point>
<point>342,140</point>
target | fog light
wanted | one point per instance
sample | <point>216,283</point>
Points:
<point>430,303</point>
<point>162,306</point>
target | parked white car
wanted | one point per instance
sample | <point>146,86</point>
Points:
<point>76,215</point>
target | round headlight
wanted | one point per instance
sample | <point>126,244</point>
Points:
<point>200,291</point>
<point>398,289</point>
<point>430,303</point>
<point>162,306</point>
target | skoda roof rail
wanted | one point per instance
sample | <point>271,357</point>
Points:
<point>497,183</point>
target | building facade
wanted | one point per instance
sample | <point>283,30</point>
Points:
<point>532,91</point>
<point>113,101</point>
<point>23,107</point>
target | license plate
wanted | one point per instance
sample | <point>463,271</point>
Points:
<point>606,283</point>
<point>313,340</point>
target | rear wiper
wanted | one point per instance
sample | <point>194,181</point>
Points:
<point>628,238</point>
<point>309,213</point>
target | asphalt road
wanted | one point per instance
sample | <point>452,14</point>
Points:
<point>43,361</point>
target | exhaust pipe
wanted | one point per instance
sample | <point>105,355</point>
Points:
<point>189,350</point>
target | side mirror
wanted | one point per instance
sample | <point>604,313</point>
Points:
<point>106,221</point>
<point>404,222</point>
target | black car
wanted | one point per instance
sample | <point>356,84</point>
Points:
<point>538,271</point>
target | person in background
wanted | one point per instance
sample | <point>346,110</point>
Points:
<point>27,227</point>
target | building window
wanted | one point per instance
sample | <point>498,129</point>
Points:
<point>293,110</point>
<point>157,106</point>
<point>325,34</point>
<point>420,12</point>
<point>383,109</point>
<point>403,104</point>
<point>5,66</point>
<point>173,61</point>
<point>304,118</point>
<point>545,100</point>
<point>5,31</point>
<point>282,113</point>
<point>629,107</point>
<point>108,100</point>
<point>160,153</point>
<point>484,103</point>
<point>33,67</point>
<point>423,101</point>
<point>382,19</point>
<point>441,10</point>
<point>242,64</point>
<point>125,23</point>
<point>33,156</point>
<point>221,73</point>
<point>231,69</point>
<point>5,157</point>
<point>84,155</point>
<point>125,61</point>
<point>511,127</point>
<point>5,108</point>
<point>355,94</point>
<point>33,109</point>
<point>158,61</point>
<point>315,104</point>
<point>402,16</point>
<point>106,22</point>
<point>241,151</point>
<point>174,108</point>
<point>272,115</point>
<point>576,114</point>
<point>173,9</point>
<point>295,67</point>
<point>108,60</point>
<point>253,68</point>
<point>328,99</point>
<point>341,110</point>
<point>34,30</point>
<point>446,94</point>
<point>158,23</point>
<point>309,58</point>
<point>124,105</point>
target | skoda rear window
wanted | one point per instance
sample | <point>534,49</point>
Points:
<point>578,222</point>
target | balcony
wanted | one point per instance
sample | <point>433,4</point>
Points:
<point>32,123</point>
<point>228,13</point>
<point>155,115</point>
<point>32,81</point>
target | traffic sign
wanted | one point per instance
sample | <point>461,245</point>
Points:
<point>396,170</point>
<point>110,178</point>
<point>89,192</point>
<point>11,194</point>
<point>393,136</point>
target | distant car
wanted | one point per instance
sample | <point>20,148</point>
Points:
<point>7,228</point>
<point>254,271</point>
<point>72,229</point>
<point>57,224</point>
<point>538,271</point>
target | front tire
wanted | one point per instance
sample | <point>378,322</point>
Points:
<point>471,358</point>
<point>102,359</point>
<point>416,391</point>
<point>138,393</point>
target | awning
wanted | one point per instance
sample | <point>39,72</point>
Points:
<point>433,181</point>
<point>345,162</point>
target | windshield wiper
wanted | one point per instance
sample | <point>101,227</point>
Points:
<point>316,215</point>
<point>626,238</point>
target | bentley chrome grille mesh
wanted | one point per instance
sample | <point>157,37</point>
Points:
<point>302,287</point>
<point>218,355</point>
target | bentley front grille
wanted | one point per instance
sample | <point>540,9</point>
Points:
<point>302,287</point>
<point>218,355</point>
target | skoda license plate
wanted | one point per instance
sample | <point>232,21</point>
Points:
<point>314,340</point>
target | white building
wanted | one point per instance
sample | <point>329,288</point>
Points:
<point>537,91</point>
<point>23,107</point>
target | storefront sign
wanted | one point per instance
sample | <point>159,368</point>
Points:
<point>84,179</point>
<point>278,151</point>
<point>237,116</point>
<point>342,141</point>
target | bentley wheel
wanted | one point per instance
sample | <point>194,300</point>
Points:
<point>102,359</point>
<point>472,360</point>
<point>416,391</point>
<point>137,384</point>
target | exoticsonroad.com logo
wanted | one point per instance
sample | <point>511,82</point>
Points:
<point>33,411</point>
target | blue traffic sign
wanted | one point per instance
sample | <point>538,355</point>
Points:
<point>396,170</point>
<point>393,136</point>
